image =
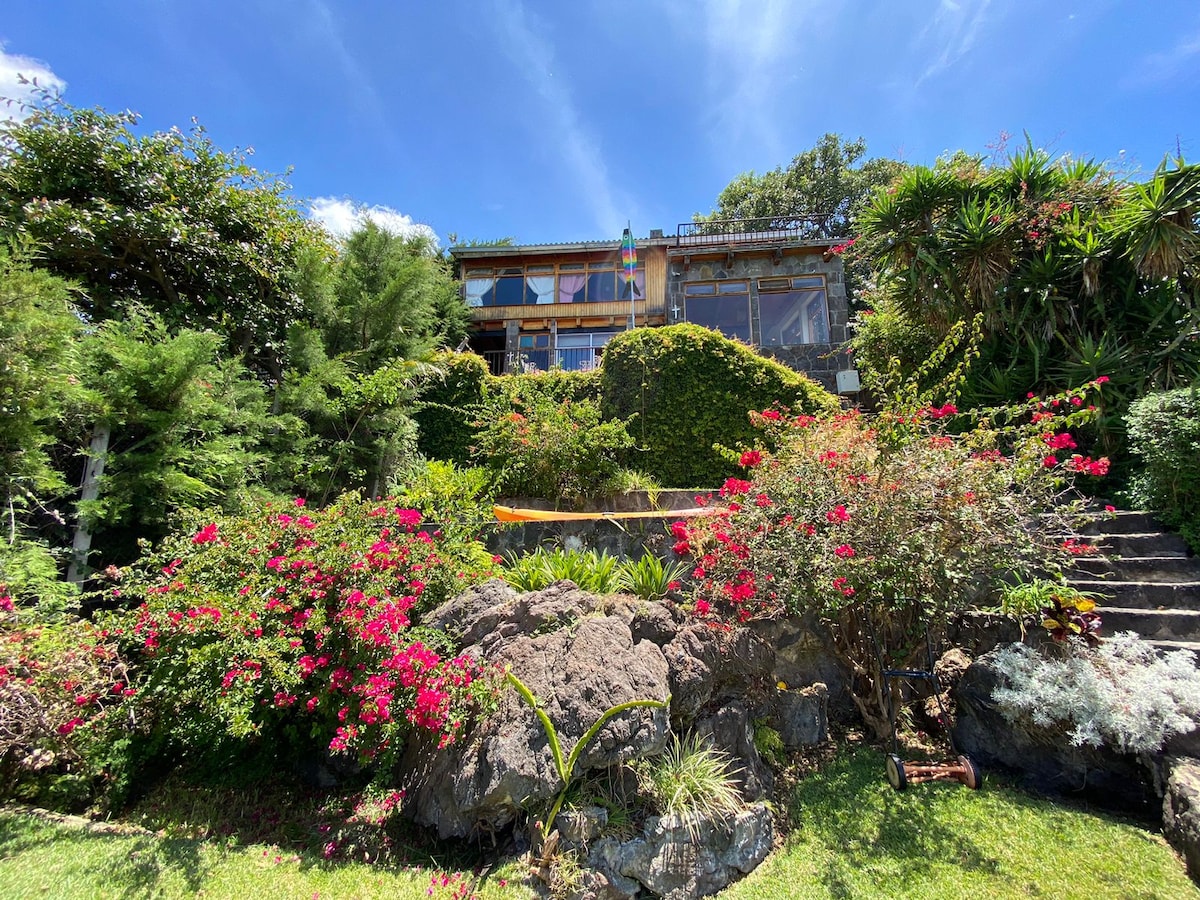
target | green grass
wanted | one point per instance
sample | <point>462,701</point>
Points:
<point>48,859</point>
<point>854,837</point>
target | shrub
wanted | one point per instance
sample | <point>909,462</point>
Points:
<point>458,500</point>
<point>446,406</point>
<point>692,780</point>
<point>883,527</point>
<point>1122,694</point>
<point>558,451</point>
<point>291,627</point>
<point>557,384</point>
<point>1164,432</point>
<point>692,388</point>
<point>593,572</point>
<point>649,578</point>
<point>59,682</point>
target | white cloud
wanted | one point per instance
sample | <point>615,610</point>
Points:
<point>1173,65</point>
<point>340,216</point>
<point>950,34</point>
<point>534,56</point>
<point>17,77</point>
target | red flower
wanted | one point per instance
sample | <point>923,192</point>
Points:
<point>838,514</point>
<point>750,459</point>
<point>771,414</point>
<point>703,607</point>
<point>845,551</point>
<point>1050,461</point>
<point>206,535</point>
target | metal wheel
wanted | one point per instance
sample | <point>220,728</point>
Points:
<point>972,777</point>
<point>895,772</point>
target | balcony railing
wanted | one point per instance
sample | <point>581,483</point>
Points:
<point>726,231</point>
<point>574,359</point>
<point>600,309</point>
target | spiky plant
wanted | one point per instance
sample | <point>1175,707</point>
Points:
<point>692,780</point>
<point>649,577</point>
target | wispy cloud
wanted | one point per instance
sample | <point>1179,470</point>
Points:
<point>526,46</point>
<point>340,216</point>
<point>1167,66</point>
<point>20,79</point>
<point>950,34</point>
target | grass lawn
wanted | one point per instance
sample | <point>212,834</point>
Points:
<point>853,837</point>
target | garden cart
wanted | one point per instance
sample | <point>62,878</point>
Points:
<point>900,772</point>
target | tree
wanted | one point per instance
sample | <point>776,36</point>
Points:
<point>167,220</point>
<point>822,181</point>
<point>1074,273</point>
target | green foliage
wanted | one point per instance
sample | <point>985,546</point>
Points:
<point>1164,434</point>
<point>594,572</point>
<point>1074,273</point>
<point>556,384</point>
<point>185,427</point>
<point>649,578</point>
<point>167,220</point>
<point>558,451</point>
<point>30,577</point>
<point>447,402</point>
<point>690,389</point>
<point>692,780</point>
<point>39,380</point>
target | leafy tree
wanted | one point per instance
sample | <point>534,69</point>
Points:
<point>167,220</point>
<point>1075,274</point>
<point>826,180</point>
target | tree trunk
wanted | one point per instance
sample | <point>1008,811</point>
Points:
<point>89,490</point>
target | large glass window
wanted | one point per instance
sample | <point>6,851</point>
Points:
<point>548,283</point>
<point>793,310</point>
<point>720,305</point>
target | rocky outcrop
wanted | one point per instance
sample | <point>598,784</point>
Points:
<point>504,765</point>
<point>680,858</point>
<point>1044,756</point>
<point>1181,810</point>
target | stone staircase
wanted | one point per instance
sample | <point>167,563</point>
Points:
<point>1145,579</point>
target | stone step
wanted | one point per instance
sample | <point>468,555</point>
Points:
<point>1193,646</point>
<point>1152,543</point>
<point>1152,624</point>
<point>1122,522</point>
<point>1142,594</point>
<point>1171,569</point>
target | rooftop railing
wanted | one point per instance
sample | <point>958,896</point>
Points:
<point>778,228</point>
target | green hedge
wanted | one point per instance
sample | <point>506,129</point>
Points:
<point>1164,433</point>
<point>556,385</point>
<point>691,388</point>
<point>447,404</point>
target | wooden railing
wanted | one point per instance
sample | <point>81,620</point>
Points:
<point>616,308</point>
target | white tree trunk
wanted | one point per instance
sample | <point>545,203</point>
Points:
<point>89,490</point>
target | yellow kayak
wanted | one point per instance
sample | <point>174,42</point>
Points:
<point>512,514</point>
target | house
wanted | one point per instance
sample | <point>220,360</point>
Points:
<point>775,284</point>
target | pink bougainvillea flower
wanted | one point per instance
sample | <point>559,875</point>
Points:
<point>750,459</point>
<point>845,551</point>
<point>838,514</point>
<point>1050,461</point>
<point>206,535</point>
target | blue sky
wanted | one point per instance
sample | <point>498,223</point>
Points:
<point>558,121</point>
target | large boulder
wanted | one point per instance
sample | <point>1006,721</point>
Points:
<point>1044,756</point>
<point>1181,810</point>
<point>731,730</point>
<point>708,664</point>
<point>504,765</point>
<point>681,858</point>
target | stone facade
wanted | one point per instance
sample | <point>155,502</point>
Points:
<point>821,361</point>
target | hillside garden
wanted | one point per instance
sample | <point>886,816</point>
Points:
<point>247,494</point>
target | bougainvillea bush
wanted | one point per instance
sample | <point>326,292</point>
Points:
<point>886,525</point>
<point>297,628</point>
<point>60,680</point>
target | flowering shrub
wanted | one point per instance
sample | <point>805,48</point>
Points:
<point>58,684</point>
<point>1122,694</point>
<point>555,450</point>
<point>291,621</point>
<point>885,525</point>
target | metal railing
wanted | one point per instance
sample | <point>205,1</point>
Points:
<point>779,228</point>
<point>574,359</point>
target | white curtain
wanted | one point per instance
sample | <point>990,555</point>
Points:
<point>567,287</point>
<point>476,288</point>
<point>543,286</point>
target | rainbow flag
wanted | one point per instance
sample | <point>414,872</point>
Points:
<point>629,262</point>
